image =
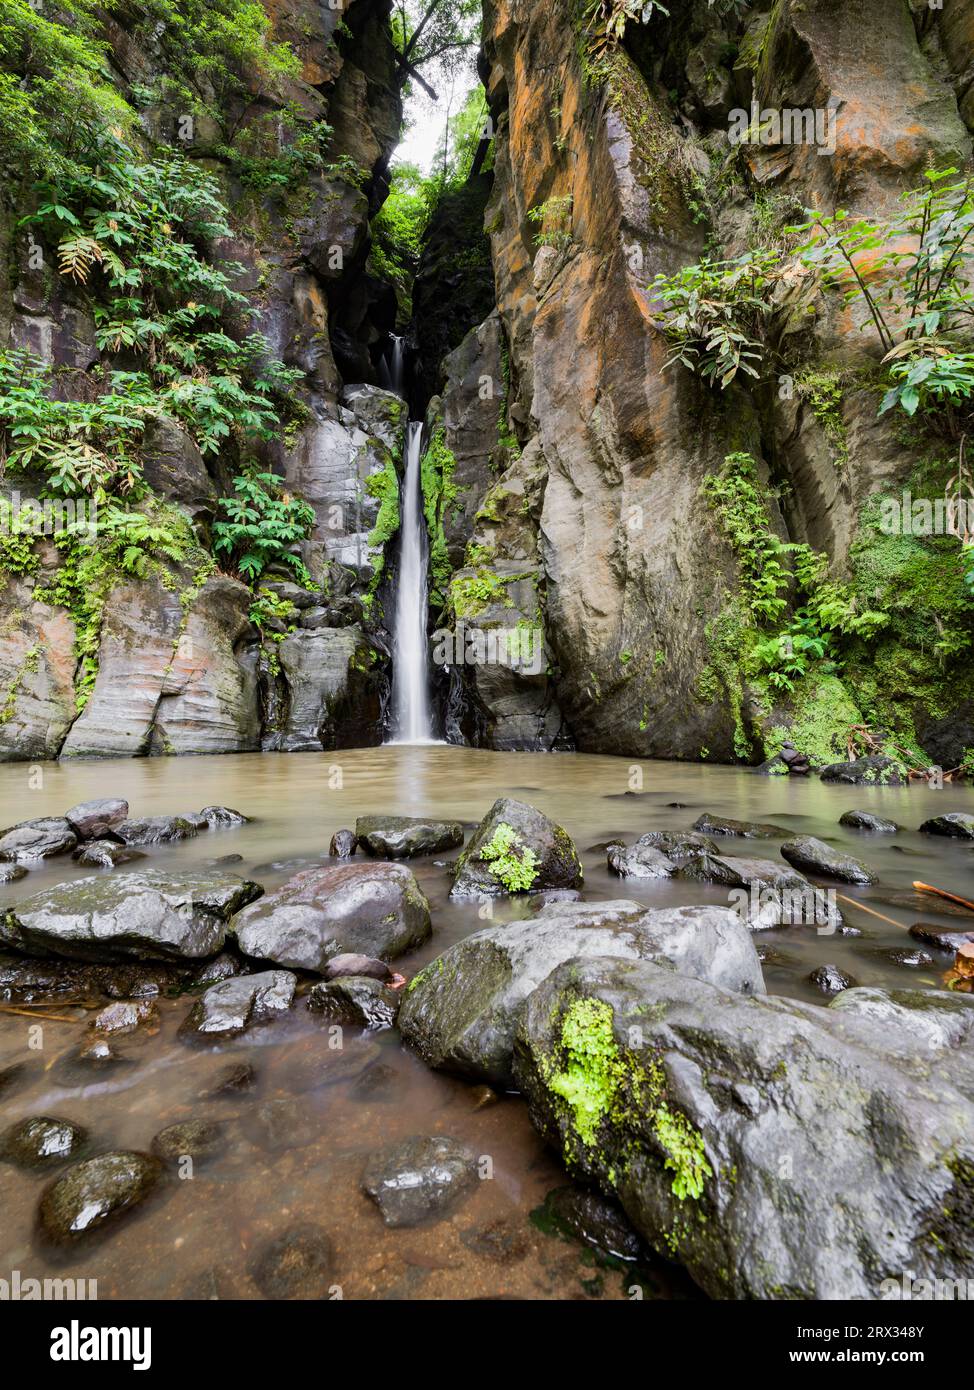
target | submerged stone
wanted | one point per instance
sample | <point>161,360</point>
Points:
<point>816,857</point>
<point>744,829</point>
<point>955,824</point>
<point>232,1006</point>
<point>405,837</point>
<point>865,820</point>
<point>92,1195</point>
<point>360,1001</point>
<point>420,1179</point>
<point>41,1141</point>
<point>199,1140</point>
<point>155,830</point>
<point>296,1264</point>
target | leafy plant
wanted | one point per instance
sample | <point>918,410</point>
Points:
<point>713,315</point>
<point>512,863</point>
<point>260,525</point>
<point>554,221</point>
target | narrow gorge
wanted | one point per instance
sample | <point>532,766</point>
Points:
<point>522,456</point>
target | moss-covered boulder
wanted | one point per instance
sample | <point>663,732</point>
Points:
<point>459,1013</point>
<point>775,1149</point>
<point>516,849</point>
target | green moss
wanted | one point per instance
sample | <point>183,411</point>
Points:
<point>440,493</point>
<point>512,863</point>
<point>384,486</point>
<point>593,1072</point>
<point>471,594</point>
<point>823,391</point>
<point>8,698</point>
<point>684,1152</point>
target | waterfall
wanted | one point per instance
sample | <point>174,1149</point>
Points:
<point>410,679</point>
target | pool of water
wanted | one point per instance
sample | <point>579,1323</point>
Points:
<point>199,1237</point>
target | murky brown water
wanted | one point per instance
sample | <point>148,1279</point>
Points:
<point>199,1237</point>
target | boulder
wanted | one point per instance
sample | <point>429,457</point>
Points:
<point>343,844</point>
<point>515,849</point>
<point>40,1142</point>
<point>155,830</point>
<point>460,1013</point>
<point>829,979</point>
<point>150,915</point>
<point>223,817</point>
<point>105,854</point>
<point>232,1006</point>
<point>866,772</point>
<point>677,844</point>
<point>816,857</point>
<point>378,910</point>
<point>865,820</point>
<point>347,964</point>
<point>406,837</point>
<point>92,820</point>
<point>360,1001</point>
<point>37,839</point>
<point>766,893</point>
<point>639,861</point>
<point>777,1150</point>
<point>420,1179</point>
<point>958,825</point>
<point>91,1196</point>
<point>744,829</point>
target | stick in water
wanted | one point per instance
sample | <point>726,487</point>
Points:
<point>942,893</point>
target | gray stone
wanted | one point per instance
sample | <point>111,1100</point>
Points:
<point>866,820</point>
<point>556,863</point>
<point>150,915</point>
<point>361,1001</point>
<point>37,839</point>
<point>639,861</point>
<point>816,857</point>
<point>460,1012</point>
<point>91,820</point>
<point>957,825</point>
<point>377,910</point>
<point>744,829</point>
<point>347,964</point>
<point>105,854</point>
<point>155,830</point>
<point>199,1140</point>
<point>40,1141</point>
<point>92,1195</point>
<point>679,1100</point>
<point>864,772</point>
<point>232,1006</point>
<point>223,818</point>
<point>420,1179</point>
<point>405,837</point>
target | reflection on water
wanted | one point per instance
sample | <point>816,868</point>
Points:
<point>302,1159</point>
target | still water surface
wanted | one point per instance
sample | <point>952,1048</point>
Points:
<point>199,1238</point>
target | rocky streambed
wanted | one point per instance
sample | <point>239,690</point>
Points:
<point>534,1026</point>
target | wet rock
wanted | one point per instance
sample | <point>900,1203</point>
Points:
<point>348,964</point>
<point>585,1216</point>
<point>536,901</point>
<point>377,910</point>
<point>11,1076</point>
<point>41,1141</point>
<point>331,1062</point>
<point>816,857</point>
<point>829,979</point>
<point>195,820</point>
<point>865,820</point>
<point>223,817</point>
<point>910,960</point>
<point>105,854</point>
<point>535,847</point>
<point>406,837</point>
<point>956,824</point>
<point>278,1125</point>
<point>865,772</point>
<point>125,1017</point>
<point>92,1195</point>
<point>199,1140</point>
<point>149,915</point>
<point>91,820</point>
<point>678,844</point>
<point>343,844</point>
<point>226,859</point>
<point>639,861</point>
<point>155,830</point>
<point>232,1081</point>
<point>296,1264</point>
<point>767,893</point>
<point>943,938</point>
<point>380,1082</point>
<point>28,979</point>
<point>37,839</point>
<point>420,1179</point>
<point>500,1241</point>
<point>222,967</point>
<point>459,1013</point>
<point>361,1001</point>
<point>233,1006</point>
<point>709,824</point>
<point>12,872</point>
<point>678,1098</point>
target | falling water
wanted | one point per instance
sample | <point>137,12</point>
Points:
<point>410,682</point>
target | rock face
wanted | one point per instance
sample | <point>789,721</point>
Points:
<point>405,837</point>
<point>144,916</point>
<point>91,1196</point>
<point>460,1013</point>
<point>377,910</point>
<point>516,848</point>
<point>419,1180</point>
<point>680,1100</point>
